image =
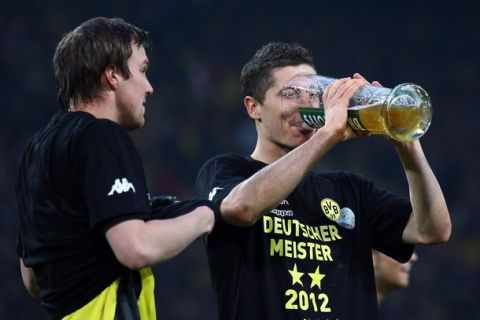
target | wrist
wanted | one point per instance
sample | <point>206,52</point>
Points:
<point>212,212</point>
<point>332,135</point>
<point>411,154</point>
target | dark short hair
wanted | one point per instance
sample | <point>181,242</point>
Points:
<point>84,53</point>
<point>256,75</point>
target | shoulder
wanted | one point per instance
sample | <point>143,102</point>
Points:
<point>87,136</point>
<point>106,127</point>
<point>226,167</point>
<point>62,132</point>
<point>226,159</point>
<point>79,124</point>
<point>98,132</point>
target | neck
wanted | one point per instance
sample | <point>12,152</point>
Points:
<point>268,152</point>
<point>99,109</point>
<point>380,296</point>
<point>383,290</point>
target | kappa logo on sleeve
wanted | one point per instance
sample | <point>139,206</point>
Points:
<point>212,193</point>
<point>121,186</point>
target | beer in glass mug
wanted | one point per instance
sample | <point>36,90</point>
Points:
<point>403,113</point>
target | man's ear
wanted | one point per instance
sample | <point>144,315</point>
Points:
<point>253,108</point>
<point>111,77</point>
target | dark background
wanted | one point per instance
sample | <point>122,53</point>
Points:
<point>196,111</point>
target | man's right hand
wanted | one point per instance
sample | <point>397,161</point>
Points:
<point>336,99</point>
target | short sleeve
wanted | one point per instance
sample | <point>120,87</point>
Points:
<point>113,177</point>
<point>178,209</point>
<point>388,215</point>
<point>219,176</point>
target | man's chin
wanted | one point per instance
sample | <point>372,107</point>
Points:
<point>134,125</point>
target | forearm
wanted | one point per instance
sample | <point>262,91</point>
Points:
<point>139,244</point>
<point>167,238</point>
<point>249,200</point>
<point>430,221</point>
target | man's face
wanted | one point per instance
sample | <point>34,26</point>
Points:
<point>132,92</point>
<point>390,274</point>
<point>278,124</point>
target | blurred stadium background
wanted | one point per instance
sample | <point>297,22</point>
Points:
<point>196,111</point>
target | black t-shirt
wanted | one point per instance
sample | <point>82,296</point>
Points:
<point>310,257</point>
<point>78,176</point>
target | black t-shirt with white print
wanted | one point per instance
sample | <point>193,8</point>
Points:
<point>310,257</point>
<point>78,176</point>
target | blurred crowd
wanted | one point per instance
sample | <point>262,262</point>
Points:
<point>196,111</point>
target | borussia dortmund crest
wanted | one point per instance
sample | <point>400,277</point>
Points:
<point>344,216</point>
<point>330,208</point>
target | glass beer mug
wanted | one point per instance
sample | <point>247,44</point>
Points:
<point>403,113</point>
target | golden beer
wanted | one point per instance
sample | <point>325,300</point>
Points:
<point>400,121</point>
